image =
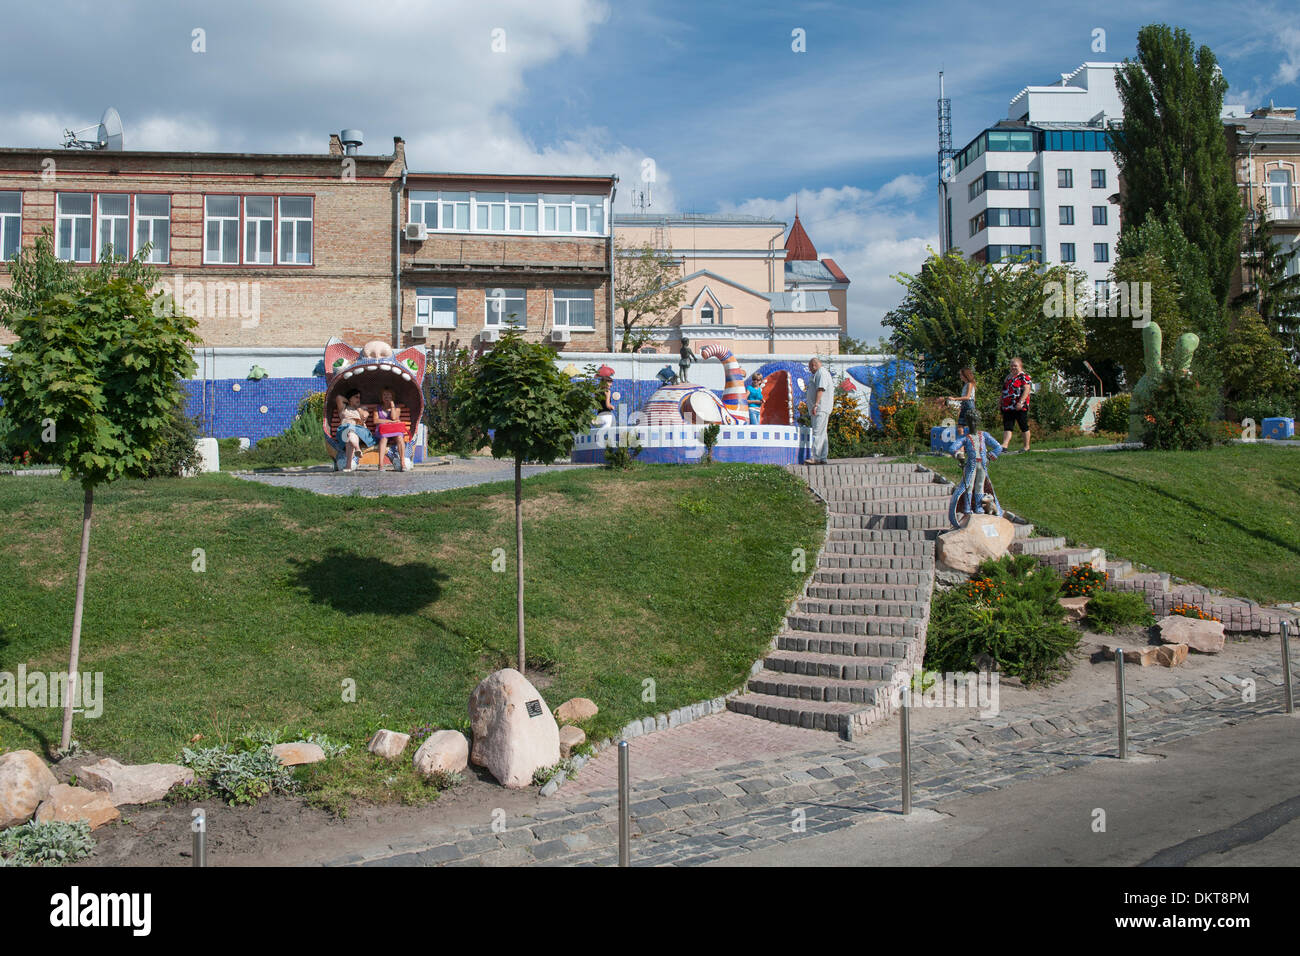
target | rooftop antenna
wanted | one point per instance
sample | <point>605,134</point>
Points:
<point>642,199</point>
<point>107,135</point>
<point>946,154</point>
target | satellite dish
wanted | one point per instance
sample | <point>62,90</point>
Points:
<point>110,130</point>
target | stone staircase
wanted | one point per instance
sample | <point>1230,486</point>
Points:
<point>862,617</point>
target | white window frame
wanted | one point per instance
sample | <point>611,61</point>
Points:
<point>118,225</point>
<point>161,251</point>
<point>501,320</point>
<point>427,312</point>
<point>1066,215</point>
<point>296,223</point>
<point>1073,252</point>
<point>563,299</point>
<point>497,212</point>
<point>221,258</point>
<point>1100,216</point>
<point>1095,184</point>
<point>1280,193</point>
<point>75,219</point>
<point>253,253</point>
<point>11,226</point>
<point>486,210</point>
<point>1104,249</point>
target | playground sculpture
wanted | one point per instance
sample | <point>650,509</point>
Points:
<point>980,448</point>
<point>372,370</point>
<point>1140,402</point>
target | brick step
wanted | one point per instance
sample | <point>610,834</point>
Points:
<point>834,666</point>
<point>905,609</point>
<point>860,468</point>
<point>844,521</point>
<point>1061,560</point>
<point>869,592</point>
<point>1117,570</point>
<point>834,716</point>
<point>1036,545</point>
<point>865,626</point>
<point>902,506</point>
<point>879,479</point>
<point>892,562</point>
<point>802,687</point>
<point>917,521</point>
<point>1144,581</point>
<point>884,492</point>
<point>859,533</point>
<point>889,648</point>
<point>874,577</point>
<point>1023,530</point>
<point>910,547</point>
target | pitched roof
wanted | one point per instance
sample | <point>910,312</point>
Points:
<point>797,244</point>
<point>835,270</point>
<point>811,302</point>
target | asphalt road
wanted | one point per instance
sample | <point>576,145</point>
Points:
<point>1230,797</point>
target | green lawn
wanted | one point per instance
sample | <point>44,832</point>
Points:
<point>676,575</point>
<point>1226,518</point>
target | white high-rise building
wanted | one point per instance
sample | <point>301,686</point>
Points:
<point>1043,181</point>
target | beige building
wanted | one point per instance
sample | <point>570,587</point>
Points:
<point>744,287</point>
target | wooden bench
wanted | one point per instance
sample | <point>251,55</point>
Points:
<point>370,456</point>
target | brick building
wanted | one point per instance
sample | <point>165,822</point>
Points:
<point>484,253</point>
<point>263,249</point>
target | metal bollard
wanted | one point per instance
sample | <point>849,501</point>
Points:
<point>905,749</point>
<point>1288,690</point>
<point>1119,693</point>
<point>624,817</point>
<point>199,826</point>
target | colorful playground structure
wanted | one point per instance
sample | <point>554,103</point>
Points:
<point>373,370</point>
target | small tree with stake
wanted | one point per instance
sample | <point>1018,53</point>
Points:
<point>94,376</point>
<point>532,411</point>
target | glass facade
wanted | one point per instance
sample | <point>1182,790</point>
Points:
<point>1077,140</point>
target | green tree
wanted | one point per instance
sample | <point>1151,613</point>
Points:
<point>1273,294</point>
<point>644,292</point>
<point>1256,366</point>
<point>94,376</point>
<point>1115,337</point>
<point>532,411</point>
<point>959,312</point>
<point>1172,152</point>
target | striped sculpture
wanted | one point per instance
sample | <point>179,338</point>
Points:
<point>734,397</point>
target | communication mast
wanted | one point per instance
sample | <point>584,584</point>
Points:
<point>946,170</point>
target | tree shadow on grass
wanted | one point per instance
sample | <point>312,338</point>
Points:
<point>1199,508</point>
<point>360,584</point>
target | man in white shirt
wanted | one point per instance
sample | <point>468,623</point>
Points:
<point>822,389</point>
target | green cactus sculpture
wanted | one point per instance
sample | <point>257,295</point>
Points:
<point>1155,368</point>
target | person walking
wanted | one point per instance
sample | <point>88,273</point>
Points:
<point>823,391</point>
<point>1015,402</point>
<point>967,400</point>
<point>754,397</point>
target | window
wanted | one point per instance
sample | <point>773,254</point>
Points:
<point>153,225</point>
<point>490,212</point>
<point>295,230</point>
<point>1100,252</point>
<point>1065,178</point>
<point>114,226</point>
<point>1279,194</point>
<point>1099,179</point>
<point>11,224</point>
<point>1067,215</point>
<point>575,309</point>
<point>557,213</point>
<point>1010,141</point>
<point>436,307</point>
<point>221,230</point>
<point>706,313</point>
<point>1013,217</point>
<point>454,212</point>
<point>1101,290</point>
<point>423,207</point>
<point>259,230</point>
<point>1067,252</point>
<point>997,180</point>
<point>1019,252</point>
<point>978,222</point>
<point>976,187</point>
<point>74,226</point>
<point>1099,215</point>
<point>506,307</point>
<point>521,210</point>
<point>1092,141</point>
<point>473,211</point>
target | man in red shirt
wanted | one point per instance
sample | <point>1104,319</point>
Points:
<point>1015,402</point>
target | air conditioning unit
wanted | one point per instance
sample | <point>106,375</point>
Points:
<point>417,231</point>
<point>489,335</point>
<point>419,331</point>
<point>559,335</point>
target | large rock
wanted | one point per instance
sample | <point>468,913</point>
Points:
<point>298,752</point>
<point>514,732</point>
<point>1164,655</point>
<point>1203,636</point>
<point>70,804</point>
<point>576,710</point>
<point>135,783</point>
<point>571,737</point>
<point>24,782</point>
<point>446,751</point>
<point>980,538</point>
<point>389,743</point>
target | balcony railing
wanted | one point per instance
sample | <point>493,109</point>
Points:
<point>1282,202</point>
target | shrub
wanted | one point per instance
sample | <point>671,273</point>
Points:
<point>303,440</point>
<point>1112,414</point>
<point>1009,612</point>
<point>1278,405</point>
<point>240,776</point>
<point>177,453</point>
<point>1178,417</point>
<point>45,844</point>
<point>1082,580</point>
<point>1109,610</point>
<point>846,428</point>
<point>1055,410</point>
<point>447,366</point>
<point>710,438</point>
<point>623,453</point>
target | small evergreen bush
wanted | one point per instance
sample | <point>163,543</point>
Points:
<point>1112,414</point>
<point>1178,417</point>
<point>1110,610</point>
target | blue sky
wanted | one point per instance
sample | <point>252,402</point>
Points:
<point>732,117</point>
